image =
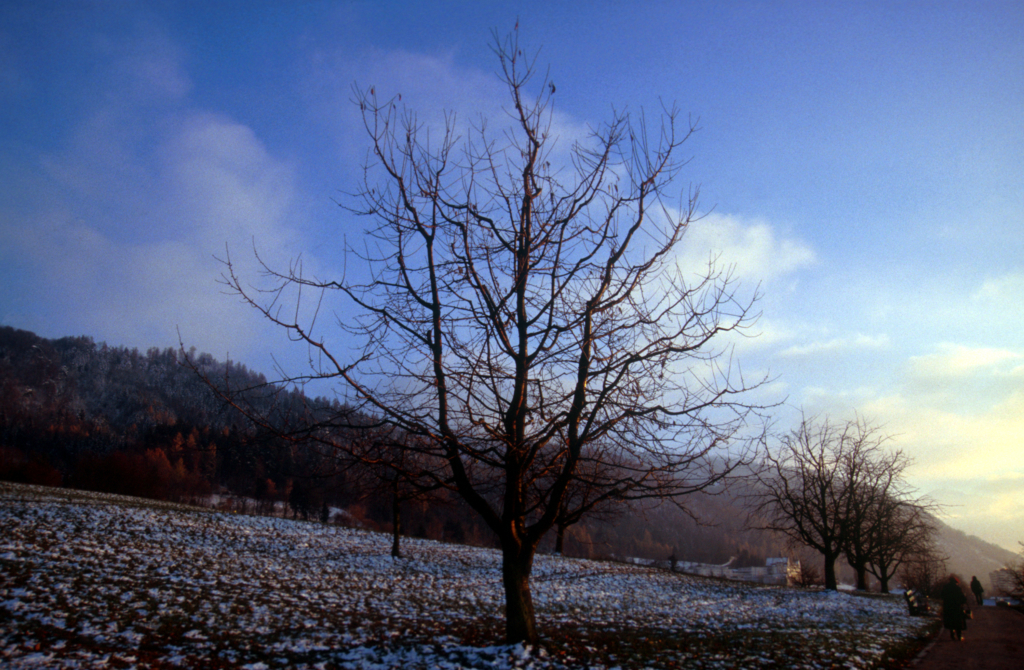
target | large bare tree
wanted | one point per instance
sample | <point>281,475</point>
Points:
<point>525,320</point>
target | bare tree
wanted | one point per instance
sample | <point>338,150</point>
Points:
<point>390,465</point>
<point>903,531</point>
<point>836,489</point>
<point>802,491</point>
<point>1011,577</point>
<point>878,497</point>
<point>808,576</point>
<point>589,482</point>
<point>924,568</point>
<point>518,312</point>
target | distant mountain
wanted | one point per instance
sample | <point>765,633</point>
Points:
<point>969,555</point>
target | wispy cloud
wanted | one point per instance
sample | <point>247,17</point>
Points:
<point>120,230</point>
<point>858,341</point>
<point>148,68</point>
<point>437,92</point>
<point>956,360</point>
<point>753,248</point>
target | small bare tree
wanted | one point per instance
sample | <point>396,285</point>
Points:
<point>923,569</point>
<point>834,487</point>
<point>903,530</point>
<point>527,325</point>
<point>594,472</point>
<point>1012,577</point>
<point>388,464</point>
<point>808,576</point>
<point>802,491</point>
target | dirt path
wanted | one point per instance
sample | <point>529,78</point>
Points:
<point>994,640</point>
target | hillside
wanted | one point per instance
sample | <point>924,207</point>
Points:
<point>99,581</point>
<point>969,555</point>
<point>90,416</point>
<point>86,415</point>
<point>726,537</point>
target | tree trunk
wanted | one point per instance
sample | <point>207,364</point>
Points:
<point>520,619</point>
<point>396,522</point>
<point>559,539</point>
<point>830,573</point>
<point>862,577</point>
<point>881,571</point>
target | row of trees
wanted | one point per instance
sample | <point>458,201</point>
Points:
<point>835,487</point>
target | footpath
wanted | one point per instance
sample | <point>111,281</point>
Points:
<point>994,640</point>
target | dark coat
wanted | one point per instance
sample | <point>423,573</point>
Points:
<point>976,587</point>
<point>953,601</point>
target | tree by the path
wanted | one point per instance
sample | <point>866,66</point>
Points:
<point>802,492</point>
<point>835,487</point>
<point>878,503</point>
<point>1012,576</point>
<point>905,531</point>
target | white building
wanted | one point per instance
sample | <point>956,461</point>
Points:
<point>781,571</point>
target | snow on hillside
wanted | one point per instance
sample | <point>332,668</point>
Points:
<point>95,581</point>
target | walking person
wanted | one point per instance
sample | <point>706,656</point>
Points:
<point>978,590</point>
<point>953,602</point>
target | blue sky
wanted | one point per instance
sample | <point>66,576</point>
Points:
<point>863,162</point>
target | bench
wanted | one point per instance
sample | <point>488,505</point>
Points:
<point>917,603</point>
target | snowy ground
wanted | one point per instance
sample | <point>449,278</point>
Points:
<point>97,581</point>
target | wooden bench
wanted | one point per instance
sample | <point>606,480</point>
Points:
<point>917,603</point>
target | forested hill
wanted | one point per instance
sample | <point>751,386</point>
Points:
<point>93,416</point>
<point>73,385</point>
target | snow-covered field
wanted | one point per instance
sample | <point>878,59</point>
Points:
<point>98,581</point>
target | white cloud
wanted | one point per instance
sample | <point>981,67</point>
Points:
<point>753,248</point>
<point>119,230</point>
<point>224,186</point>
<point>1004,291</point>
